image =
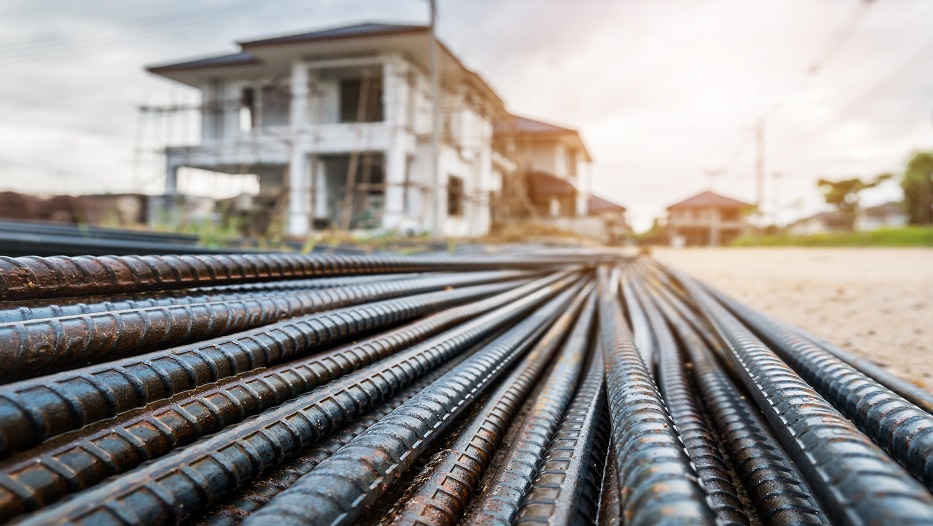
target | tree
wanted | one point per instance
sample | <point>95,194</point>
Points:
<point>917,184</point>
<point>844,195</point>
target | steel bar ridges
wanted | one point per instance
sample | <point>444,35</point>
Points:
<point>185,480</point>
<point>233,507</point>
<point>657,483</point>
<point>642,337</point>
<point>899,427</point>
<point>50,277</point>
<point>339,489</point>
<point>854,479</point>
<point>500,501</point>
<point>906,390</point>
<point>453,476</point>
<point>566,489</point>
<point>777,490</point>
<point>17,311</point>
<point>50,345</point>
<point>34,410</point>
<point>35,478</point>
<point>681,401</point>
<point>610,508</point>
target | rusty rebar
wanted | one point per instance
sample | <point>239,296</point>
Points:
<point>187,479</point>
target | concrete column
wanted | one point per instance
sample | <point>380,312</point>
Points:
<point>320,189</point>
<point>395,96</point>
<point>714,229</point>
<point>171,176</point>
<point>299,187</point>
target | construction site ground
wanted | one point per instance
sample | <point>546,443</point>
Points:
<point>876,302</point>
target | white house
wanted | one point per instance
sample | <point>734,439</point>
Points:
<point>336,125</point>
<point>886,215</point>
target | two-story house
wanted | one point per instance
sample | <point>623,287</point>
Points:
<point>336,126</point>
<point>552,168</point>
<point>707,219</point>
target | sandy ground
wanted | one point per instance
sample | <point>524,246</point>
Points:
<point>875,302</point>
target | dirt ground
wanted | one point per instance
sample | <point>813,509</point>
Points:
<point>875,302</point>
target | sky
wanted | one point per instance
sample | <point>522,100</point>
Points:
<point>663,91</point>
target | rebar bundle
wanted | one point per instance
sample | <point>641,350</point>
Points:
<point>536,386</point>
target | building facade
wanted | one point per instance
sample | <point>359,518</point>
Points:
<point>706,219</point>
<point>336,126</point>
<point>551,172</point>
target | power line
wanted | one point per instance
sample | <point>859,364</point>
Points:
<point>210,28</point>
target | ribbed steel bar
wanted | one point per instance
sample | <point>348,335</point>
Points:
<point>34,410</point>
<point>49,345</point>
<point>34,478</point>
<point>340,488</point>
<point>185,480</point>
<point>232,508</point>
<point>902,429</point>
<point>656,482</point>
<point>643,338</point>
<point>856,482</point>
<point>907,390</point>
<point>566,489</point>
<point>500,501</point>
<point>610,510</point>
<point>776,488</point>
<point>51,277</point>
<point>699,442</point>
<point>14,311</point>
<point>455,473</point>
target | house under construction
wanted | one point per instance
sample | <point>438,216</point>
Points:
<point>336,126</point>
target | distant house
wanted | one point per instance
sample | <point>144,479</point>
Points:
<point>613,216</point>
<point>551,171</point>
<point>706,219</point>
<point>887,215</point>
<point>820,223</point>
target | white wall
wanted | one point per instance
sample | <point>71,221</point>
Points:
<point>314,129</point>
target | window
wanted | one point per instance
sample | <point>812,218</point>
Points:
<point>275,105</point>
<point>352,96</point>
<point>247,109</point>
<point>455,196</point>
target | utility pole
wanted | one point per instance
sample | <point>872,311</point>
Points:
<point>776,197</point>
<point>435,128</point>
<point>760,165</point>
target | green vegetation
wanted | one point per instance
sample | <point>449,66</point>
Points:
<point>917,183</point>
<point>844,195</point>
<point>912,236</point>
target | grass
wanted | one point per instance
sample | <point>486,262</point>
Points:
<point>913,236</point>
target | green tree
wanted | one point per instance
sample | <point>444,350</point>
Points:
<point>917,183</point>
<point>844,195</point>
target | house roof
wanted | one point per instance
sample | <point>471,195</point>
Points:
<point>354,31</point>
<point>831,218</point>
<point>596,205</point>
<point>709,199</point>
<point>885,209</point>
<point>251,51</point>
<point>233,59</point>
<point>517,123</point>
<point>524,125</point>
<point>540,183</point>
